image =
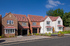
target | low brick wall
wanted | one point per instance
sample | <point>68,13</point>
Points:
<point>66,28</point>
<point>8,35</point>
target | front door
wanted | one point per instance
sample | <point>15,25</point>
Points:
<point>24,32</point>
<point>34,30</point>
<point>53,30</point>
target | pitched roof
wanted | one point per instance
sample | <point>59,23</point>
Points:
<point>25,27</point>
<point>51,17</point>
<point>20,17</point>
<point>35,26</point>
<point>35,17</point>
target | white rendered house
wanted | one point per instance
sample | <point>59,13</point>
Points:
<point>51,24</point>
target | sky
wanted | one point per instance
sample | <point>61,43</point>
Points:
<point>32,7</point>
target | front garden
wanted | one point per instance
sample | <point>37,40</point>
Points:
<point>53,34</point>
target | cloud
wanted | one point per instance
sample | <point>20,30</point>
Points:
<point>52,3</point>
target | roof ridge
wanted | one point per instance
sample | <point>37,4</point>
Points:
<point>17,14</point>
<point>35,15</point>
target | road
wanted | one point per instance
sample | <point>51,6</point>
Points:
<point>64,41</point>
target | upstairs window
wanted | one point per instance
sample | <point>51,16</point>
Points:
<point>9,21</point>
<point>34,23</point>
<point>48,22</point>
<point>24,24</point>
<point>58,22</point>
<point>23,17</point>
<point>32,17</point>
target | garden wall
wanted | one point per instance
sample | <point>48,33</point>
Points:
<point>66,28</point>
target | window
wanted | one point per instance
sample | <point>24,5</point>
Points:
<point>24,24</point>
<point>8,31</point>
<point>48,29</point>
<point>32,17</point>
<point>58,22</point>
<point>48,22</point>
<point>60,28</point>
<point>34,23</point>
<point>23,17</point>
<point>9,21</point>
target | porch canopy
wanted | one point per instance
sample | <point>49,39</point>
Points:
<point>23,27</point>
<point>9,27</point>
<point>35,26</point>
<point>60,25</point>
<point>48,26</point>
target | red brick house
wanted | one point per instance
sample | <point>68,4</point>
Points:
<point>14,24</point>
<point>34,22</point>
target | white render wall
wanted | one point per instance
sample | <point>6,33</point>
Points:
<point>61,23</point>
<point>43,26</point>
<point>52,24</point>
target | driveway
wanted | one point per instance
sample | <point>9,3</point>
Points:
<point>21,38</point>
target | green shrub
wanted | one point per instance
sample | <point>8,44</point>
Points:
<point>29,34</point>
<point>46,33</point>
<point>37,33</point>
<point>55,33</point>
<point>0,36</point>
<point>49,33</point>
<point>41,34</point>
<point>10,36</point>
<point>61,33</point>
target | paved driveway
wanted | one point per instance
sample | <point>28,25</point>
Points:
<point>21,38</point>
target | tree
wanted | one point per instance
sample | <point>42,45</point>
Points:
<point>56,12</point>
<point>60,12</point>
<point>66,19</point>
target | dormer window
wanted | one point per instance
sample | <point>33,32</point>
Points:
<point>58,22</point>
<point>32,17</point>
<point>23,17</point>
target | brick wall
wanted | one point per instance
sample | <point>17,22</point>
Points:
<point>66,28</point>
<point>9,16</point>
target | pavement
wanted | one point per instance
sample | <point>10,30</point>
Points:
<point>21,38</point>
<point>62,41</point>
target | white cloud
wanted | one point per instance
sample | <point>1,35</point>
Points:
<point>52,3</point>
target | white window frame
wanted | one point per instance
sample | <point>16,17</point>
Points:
<point>7,31</point>
<point>48,22</point>
<point>59,22</point>
<point>49,29</point>
<point>60,28</point>
<point>10,22</point>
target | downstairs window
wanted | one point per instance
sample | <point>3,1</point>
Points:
<point>9,31</point>
<point>48,29</point>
